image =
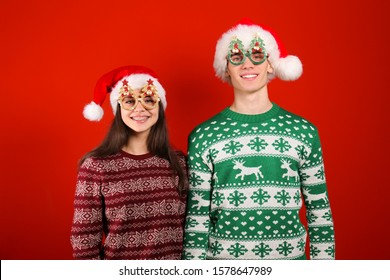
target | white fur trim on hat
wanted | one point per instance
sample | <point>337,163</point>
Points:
<point>288,68</point>
<point>136,81</point>
<point>110,83</point>
<point>285,68</point>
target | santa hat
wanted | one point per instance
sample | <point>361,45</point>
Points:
<point>286,67</point>
<point>136,76</point>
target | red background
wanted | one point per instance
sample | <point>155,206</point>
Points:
<point>53,52</point>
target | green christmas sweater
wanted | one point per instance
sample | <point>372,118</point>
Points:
<point>249,177</point>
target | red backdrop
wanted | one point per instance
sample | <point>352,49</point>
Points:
<point>53,52</point>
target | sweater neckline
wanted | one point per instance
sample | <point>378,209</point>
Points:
<point>227,112</point>
<point>136,157</point>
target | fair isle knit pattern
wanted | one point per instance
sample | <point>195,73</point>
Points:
<point>134,201</point>
<point>249,175</point>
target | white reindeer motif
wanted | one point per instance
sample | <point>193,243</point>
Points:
<point>246,171</point>
<point>320,196</point>
<point>197,198</point>
<point>290,172</point>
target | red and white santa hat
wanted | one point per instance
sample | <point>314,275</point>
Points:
<point>286,67</point>
<point>136,76</point>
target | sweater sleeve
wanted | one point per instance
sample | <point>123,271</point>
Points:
<point>318,212</point>
<point>184,193</point>
<point>196,238</point>
<point>87,227</point>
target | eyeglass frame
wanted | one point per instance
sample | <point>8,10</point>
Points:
<point>139,99</point>
<point>237,48</point>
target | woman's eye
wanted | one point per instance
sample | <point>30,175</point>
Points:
<point>148,100</point>
<point>129,101</point>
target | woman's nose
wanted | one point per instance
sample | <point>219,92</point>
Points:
<point>139,107</point>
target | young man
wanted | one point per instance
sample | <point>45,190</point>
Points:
<point>253,165</point>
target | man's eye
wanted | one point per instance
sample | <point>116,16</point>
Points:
<point>258,55</point>
<point>236,58</point>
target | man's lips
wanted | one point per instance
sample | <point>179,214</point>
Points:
<point>249,76</point>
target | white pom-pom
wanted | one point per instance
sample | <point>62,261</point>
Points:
<point>93,112</point>
<point>289,68</point>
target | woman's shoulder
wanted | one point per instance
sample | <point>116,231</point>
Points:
<point>97,163</point>
<point>180,154</point>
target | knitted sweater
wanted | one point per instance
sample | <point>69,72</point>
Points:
<point>132,200</point>
<point>248,175</point>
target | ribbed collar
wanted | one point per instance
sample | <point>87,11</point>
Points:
<point>251,118</point>
<point>136,157</point>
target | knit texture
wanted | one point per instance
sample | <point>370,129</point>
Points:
<point>248,175</point>
<point>134,201</point>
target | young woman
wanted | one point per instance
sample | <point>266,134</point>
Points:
<point>131,190</point>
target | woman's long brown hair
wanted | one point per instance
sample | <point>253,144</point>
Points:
<point>157,142</point>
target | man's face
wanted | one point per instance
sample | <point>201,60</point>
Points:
<point>248,77</point>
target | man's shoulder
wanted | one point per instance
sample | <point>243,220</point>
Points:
<point>206,125</point>
<point>295,118</point>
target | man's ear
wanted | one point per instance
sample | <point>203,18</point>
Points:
<point>227,74</point>
<point>270,69</point>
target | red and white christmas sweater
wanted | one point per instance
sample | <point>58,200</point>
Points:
<point>128,207</point>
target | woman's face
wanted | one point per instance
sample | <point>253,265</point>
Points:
<point>140,119</point>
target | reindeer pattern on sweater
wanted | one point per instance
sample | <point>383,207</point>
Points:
<point>249,177</point>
